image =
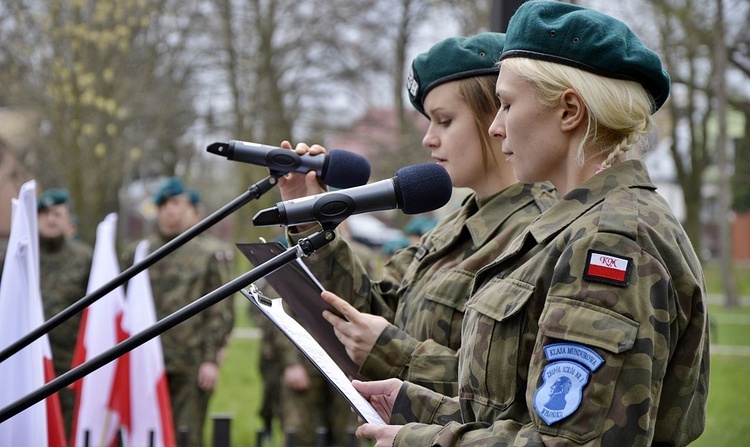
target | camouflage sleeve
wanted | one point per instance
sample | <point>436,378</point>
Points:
<point>427,363</point>
<point>416,403</point>
<point>218,320</point>
<point>339,270</point>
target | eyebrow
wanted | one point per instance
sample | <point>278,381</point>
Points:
<point>500,93</point>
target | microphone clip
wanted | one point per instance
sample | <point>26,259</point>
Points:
<point>310,244</point>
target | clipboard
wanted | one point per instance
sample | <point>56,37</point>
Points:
<point>273,309</point>
<point>300,291</point>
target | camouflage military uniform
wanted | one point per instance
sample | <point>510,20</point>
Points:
<point>64,266</point>
<point>424,287</point>
<point>625,341</point>
<point>177,280</point>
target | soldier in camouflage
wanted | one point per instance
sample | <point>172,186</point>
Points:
<point>410,325</point>
<point>591,329</point>
<point>64,266</point>
<point>192,348</point>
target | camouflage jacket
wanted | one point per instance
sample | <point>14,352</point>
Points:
<point>181,277</point>
<point>424,287</point>
<point>591,329</point>
<point>64,266</point>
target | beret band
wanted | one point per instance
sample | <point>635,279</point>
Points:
<point>566,61</point>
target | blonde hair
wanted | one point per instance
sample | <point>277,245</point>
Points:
<point>479,94</point>
<point>618,111</point>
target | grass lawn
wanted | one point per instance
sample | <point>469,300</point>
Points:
<point>239,389</point>
<point>728,417</point>
<point>239,392</point>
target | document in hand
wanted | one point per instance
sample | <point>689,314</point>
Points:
<point>274,310</point>
<point>300,291</point>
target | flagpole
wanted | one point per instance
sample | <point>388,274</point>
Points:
<point>253,192</point>
<point>305,247</point>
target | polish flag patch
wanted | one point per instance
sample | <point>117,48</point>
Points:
<point>607,268</point>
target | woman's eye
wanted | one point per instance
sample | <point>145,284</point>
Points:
<point>445,122</point>
<point>505,107</point>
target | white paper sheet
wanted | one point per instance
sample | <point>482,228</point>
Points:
<point>315,353</point>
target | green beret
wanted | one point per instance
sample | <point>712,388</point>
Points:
<point>52,197</point>
<point>586,39</point>
<point>171,187</point>
<point>452,59</point>
<point>194,197</point>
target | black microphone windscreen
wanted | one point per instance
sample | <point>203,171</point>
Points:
<point>346,169</point>
<point>424,187</point>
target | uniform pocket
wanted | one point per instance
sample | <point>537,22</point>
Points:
<point>493,327</point>
<point>443,303</point>
<point>450,288</point>
<point>580,327</point>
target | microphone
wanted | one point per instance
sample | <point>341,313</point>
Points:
<point>338,168</point>
<point>415,189</point>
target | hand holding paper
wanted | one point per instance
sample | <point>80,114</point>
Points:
<point>381,394</point>
<point>359,334</point>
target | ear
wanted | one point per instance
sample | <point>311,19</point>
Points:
<point>573,110</point>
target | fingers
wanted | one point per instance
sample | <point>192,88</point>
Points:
<point>377,387</point>
<point>303,148</point>
<point>366,431</point>
<point>314,183</point>
<point>384,435</point>
<point>342,306</point>
<point>315,149</point>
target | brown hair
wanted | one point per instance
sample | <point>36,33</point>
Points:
<point>479,93</point>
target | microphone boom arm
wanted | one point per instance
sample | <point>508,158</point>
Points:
<point>304,248</point>
<point>253,192</point>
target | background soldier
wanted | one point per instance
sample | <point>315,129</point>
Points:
<point>191,349</point>
<point>64,265</point>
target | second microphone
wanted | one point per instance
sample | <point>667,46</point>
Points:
<point>415,189</point>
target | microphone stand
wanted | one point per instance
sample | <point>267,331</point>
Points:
<point>253,192</point>
<point>305,247</point>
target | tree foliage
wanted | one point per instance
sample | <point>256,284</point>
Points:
<point>96,76</point>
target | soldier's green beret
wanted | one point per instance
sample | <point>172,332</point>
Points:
<point>171,187</point>
<point>585,39</point>
<point>452,59</point>
<point>52,197</point>
<point>194,197</point>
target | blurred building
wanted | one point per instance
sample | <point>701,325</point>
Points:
<point>16,130</point>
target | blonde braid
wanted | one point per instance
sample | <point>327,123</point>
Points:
<point>631,140</point>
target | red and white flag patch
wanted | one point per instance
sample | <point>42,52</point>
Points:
<point>607,268</point>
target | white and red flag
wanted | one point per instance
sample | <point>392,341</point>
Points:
<point>94,419</point>
<point>20,312</point>
<point>608,268</point>
<point>142,392</point>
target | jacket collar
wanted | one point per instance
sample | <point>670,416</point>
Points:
<point>627,174</point>
<point>482,220</point>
